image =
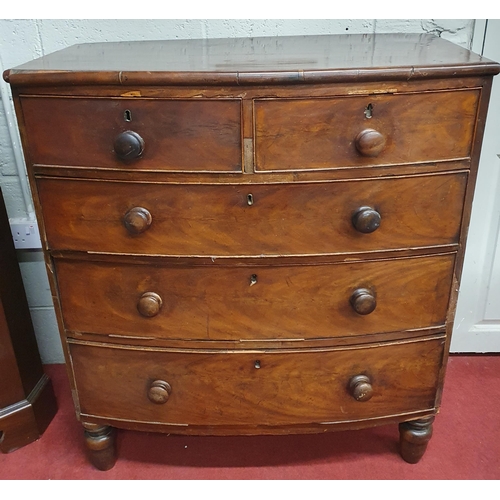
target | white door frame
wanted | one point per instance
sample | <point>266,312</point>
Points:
<point>477,320</point>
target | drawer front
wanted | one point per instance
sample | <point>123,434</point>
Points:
<point>217,220</point>
<point>233,303</point>
<point>254,388</point>
<point>178,135</point>
<point>298,134</point>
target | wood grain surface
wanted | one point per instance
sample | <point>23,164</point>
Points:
<point>180,135</point>
<point>216,220</point>
<point>227,303</point>
<point>298,134</point>
<point>224,389</point>
<point>257,60</point>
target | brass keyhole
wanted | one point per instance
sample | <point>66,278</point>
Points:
<point>250,199</point>
<point>257,364</point>
<point>253,279</point>
<point>369,111</point>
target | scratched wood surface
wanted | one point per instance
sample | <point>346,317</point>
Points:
<point>182,135</point>
<point>299,134</point>
<point>255,61</point>
<point>245,303</point>
<point>225,389</point>
<point>289,219</point>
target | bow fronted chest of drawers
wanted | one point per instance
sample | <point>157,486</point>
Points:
<point>254,236</point>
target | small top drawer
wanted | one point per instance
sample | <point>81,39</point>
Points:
<point>137,134</point>
<point>323,133</point>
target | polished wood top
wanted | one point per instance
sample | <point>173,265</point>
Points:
<point>247,61</point>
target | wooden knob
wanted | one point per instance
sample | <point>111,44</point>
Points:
<point>363,301</point>
<point>369,142</point>
<point>366,220</point>
<point>128,145</point>
<point>360,388</point>
<point>149,304</point>
<point>137,220</point>
<point>159,392</point>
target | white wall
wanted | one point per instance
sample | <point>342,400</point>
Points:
<point>22,40</point>
<point>477,319</point>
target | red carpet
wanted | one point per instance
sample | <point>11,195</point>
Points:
<point>465,445</point>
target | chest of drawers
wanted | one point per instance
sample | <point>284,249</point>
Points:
<point>254,236</point>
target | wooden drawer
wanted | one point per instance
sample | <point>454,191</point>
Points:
<point>255,388</point>
<point>233,303</point>
<point>304,134</point>
<point>178,135</point>
<point>283,219</point>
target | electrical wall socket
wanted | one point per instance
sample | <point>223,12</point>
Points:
<point>25,233</point>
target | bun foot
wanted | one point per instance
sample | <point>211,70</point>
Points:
<point>413,438</point>
<point>101,445</point>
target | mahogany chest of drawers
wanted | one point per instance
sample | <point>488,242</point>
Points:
<point>254,236</point>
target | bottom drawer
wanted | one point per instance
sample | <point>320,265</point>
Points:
<point>256,388</point>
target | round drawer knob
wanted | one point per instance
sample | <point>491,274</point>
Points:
<point>366,220</point>
<point>137,220</point>
<point>360,388</point>
<point>128,145</point>
<point>363,301</point>
<point>159,392</point>
<point>370,142</point>
<point>149,304</point>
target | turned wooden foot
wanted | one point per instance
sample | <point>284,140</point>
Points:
<point>413,438</point>
<point>101,445</point>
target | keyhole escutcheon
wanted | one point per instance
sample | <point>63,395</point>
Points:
<point>369,111</point>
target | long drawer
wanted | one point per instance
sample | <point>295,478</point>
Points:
<point>252,220</point>
<point>265,302</point>
<point>177,135</point>
<point>308,134</point>
<point>256,388</point>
